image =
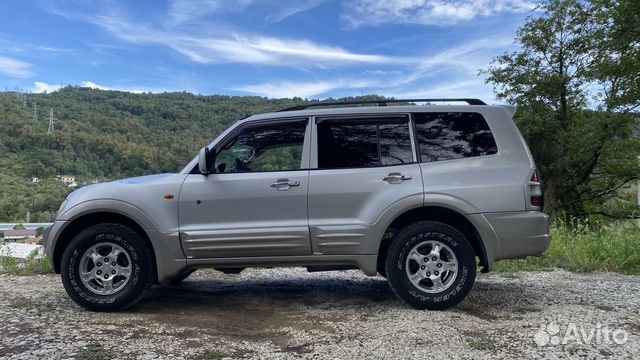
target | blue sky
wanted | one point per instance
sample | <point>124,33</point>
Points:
<point>273,48</point>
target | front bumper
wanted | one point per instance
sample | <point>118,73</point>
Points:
<point>519,234</point>
<point>50,237</point>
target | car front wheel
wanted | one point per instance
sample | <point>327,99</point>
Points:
<point>431,265</point>
<point>107,267</point>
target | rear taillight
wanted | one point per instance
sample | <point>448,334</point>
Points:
<point>535,190</point>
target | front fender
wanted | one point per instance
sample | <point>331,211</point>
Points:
<point>165,243</point>
<point>112,206</point>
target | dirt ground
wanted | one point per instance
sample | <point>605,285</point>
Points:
<point>293,314</point>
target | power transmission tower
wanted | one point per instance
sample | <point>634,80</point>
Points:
<point>35,111</point>
<point>50,130</point>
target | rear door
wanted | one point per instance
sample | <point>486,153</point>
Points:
<point>256,202</point>
<point>361,165</point>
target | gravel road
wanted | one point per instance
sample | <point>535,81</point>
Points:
<point>292,314</point>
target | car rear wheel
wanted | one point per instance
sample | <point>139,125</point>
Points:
<point>107,267</point>
<point>431,265</point>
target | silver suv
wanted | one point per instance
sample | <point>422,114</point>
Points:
<point>421,195</point>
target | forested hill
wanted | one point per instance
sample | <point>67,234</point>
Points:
<point>103,135</point>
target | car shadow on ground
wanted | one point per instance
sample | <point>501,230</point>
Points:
<point>244,306</point>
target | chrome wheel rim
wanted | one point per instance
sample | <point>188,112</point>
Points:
<point>105,268</point>
<point>431,266</point>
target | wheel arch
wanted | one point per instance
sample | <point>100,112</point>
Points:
<point>84,221</point>
<point>441,214</point>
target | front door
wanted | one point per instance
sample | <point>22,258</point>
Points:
<point>256,202</point>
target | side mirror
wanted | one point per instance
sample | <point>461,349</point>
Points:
<point>205,165</point>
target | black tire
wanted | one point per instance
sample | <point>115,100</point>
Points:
<point>142,264</point>
<point>396,261</point>
<point>182,277</point>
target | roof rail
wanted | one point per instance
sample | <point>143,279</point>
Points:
<point>382,103</point>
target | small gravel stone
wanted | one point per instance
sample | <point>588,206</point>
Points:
<point>293,314</point>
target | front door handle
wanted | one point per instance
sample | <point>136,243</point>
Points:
<point>396,178</point>
<point>284,184</point>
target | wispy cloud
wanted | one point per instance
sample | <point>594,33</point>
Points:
<point>362,13</point>
<point>293,7</point>
<point>52,49</point>
<point>15,68</point>
<point>235,47</point>
<point>426,78</point>
<point>11,44</point>
<point>289,89</point>
<point>329,69</point>
<point>183,11</point>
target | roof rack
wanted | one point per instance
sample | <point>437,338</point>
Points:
<point>381,103</point>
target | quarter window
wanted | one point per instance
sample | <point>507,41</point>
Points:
<point>264,148</point>
<point>363,142</point>
<point>453,135</point>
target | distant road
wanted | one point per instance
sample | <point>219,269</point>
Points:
<point>9,226</point>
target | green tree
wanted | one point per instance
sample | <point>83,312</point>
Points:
<point>584,155</point>
<point>617,58</point>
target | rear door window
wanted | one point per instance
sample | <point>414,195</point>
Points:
<point>363,142</point>
<point>453,135</point>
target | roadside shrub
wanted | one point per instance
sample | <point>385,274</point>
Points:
<point>582,245</point>
<point>30,266</point>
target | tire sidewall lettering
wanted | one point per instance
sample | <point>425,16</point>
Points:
<point>464,277</point>
<point>74,267</point>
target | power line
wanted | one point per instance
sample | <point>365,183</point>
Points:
<point>50,130</point>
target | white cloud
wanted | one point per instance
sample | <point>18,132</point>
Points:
<point>40,87</point>
<point>14,68</point>
<point>92,85</point>
<point>183,11</point>
<point>361,13</point>
<point>290,8</point>
<point>216,44</point>
<point>51,49</point>
<point>472,88</point>
<point>450,73</point>
<point>289,89</point>
<point>252,49</point>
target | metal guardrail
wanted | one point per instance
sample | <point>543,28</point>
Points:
<point>28,226</point>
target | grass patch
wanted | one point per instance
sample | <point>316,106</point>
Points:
<point>93,351</point>
<point>604,307</point>
<point>584,246</point>
<point>211,355</point>
<point>30,266</point>
<point>20,303</point>
<point>482,345</point>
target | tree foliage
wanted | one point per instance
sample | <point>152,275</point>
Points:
<point>105,135</point>
<point>570,77</point>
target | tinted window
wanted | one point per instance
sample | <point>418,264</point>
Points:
<point>363,142</point>
<point>264,148</point>
<point>453,135</point>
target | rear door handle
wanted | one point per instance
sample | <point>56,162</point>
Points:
<point>396,178</point>
<point>284,184</point>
